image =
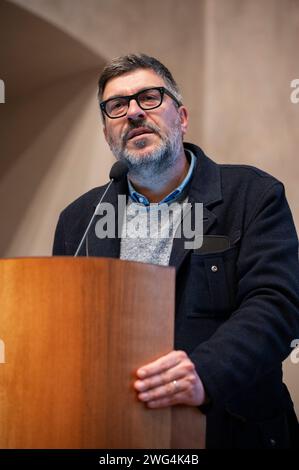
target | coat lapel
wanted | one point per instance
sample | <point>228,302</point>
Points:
<point>206,189</point>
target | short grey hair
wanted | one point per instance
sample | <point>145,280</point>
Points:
<point>130,62</point>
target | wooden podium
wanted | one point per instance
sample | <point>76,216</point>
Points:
<point>73,331</point>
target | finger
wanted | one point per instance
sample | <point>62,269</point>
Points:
<point>183,369</point>
<point>176,373</point>
<point>184,393</point>
<point>162,364</point>
<point>168,390</point>
<point>176,399</point>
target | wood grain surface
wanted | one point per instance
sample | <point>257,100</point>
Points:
<point>75,331</point>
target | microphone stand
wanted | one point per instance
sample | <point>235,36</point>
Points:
<point>92,219</point>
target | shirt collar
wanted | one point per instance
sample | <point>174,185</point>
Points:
<point>171,197</point>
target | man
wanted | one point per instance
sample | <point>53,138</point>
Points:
<point>237,298</point>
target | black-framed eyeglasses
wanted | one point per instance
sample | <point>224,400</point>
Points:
<point>149,98</point>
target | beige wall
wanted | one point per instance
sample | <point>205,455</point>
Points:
<point>63,159</point>
<point>233,59</point>
<point>250,64</point>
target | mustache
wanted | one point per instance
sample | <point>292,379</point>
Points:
<point>135,125</point>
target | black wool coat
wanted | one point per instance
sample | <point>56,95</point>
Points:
<point>237,297</point>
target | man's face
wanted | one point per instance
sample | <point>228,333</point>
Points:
<point>142,136</point>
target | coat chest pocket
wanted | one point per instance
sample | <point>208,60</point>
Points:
<point>211,287</point>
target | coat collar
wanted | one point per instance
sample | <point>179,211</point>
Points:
<point>206,181</point>
<point>205,188</point>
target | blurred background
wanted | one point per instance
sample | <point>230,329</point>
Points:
<point>234,61</point>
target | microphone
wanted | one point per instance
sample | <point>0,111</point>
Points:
<point>118,170</point>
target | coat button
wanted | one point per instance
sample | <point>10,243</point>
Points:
<point>214,268</point>
<point>273,442</point>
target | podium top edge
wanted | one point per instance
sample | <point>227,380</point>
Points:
<point>81,259</point>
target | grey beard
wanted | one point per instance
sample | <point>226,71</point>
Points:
<point>154,163</point>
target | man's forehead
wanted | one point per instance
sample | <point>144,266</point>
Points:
<point>131,82</point>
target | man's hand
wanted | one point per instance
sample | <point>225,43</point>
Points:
<point>170,380</point>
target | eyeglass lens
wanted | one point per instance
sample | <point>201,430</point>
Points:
<point>147,99</point>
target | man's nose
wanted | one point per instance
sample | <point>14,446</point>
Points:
<point>134,110</point>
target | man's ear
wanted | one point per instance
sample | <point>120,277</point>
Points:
<point>184,118</point>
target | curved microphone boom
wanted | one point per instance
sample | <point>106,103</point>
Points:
<point>118,170</point>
